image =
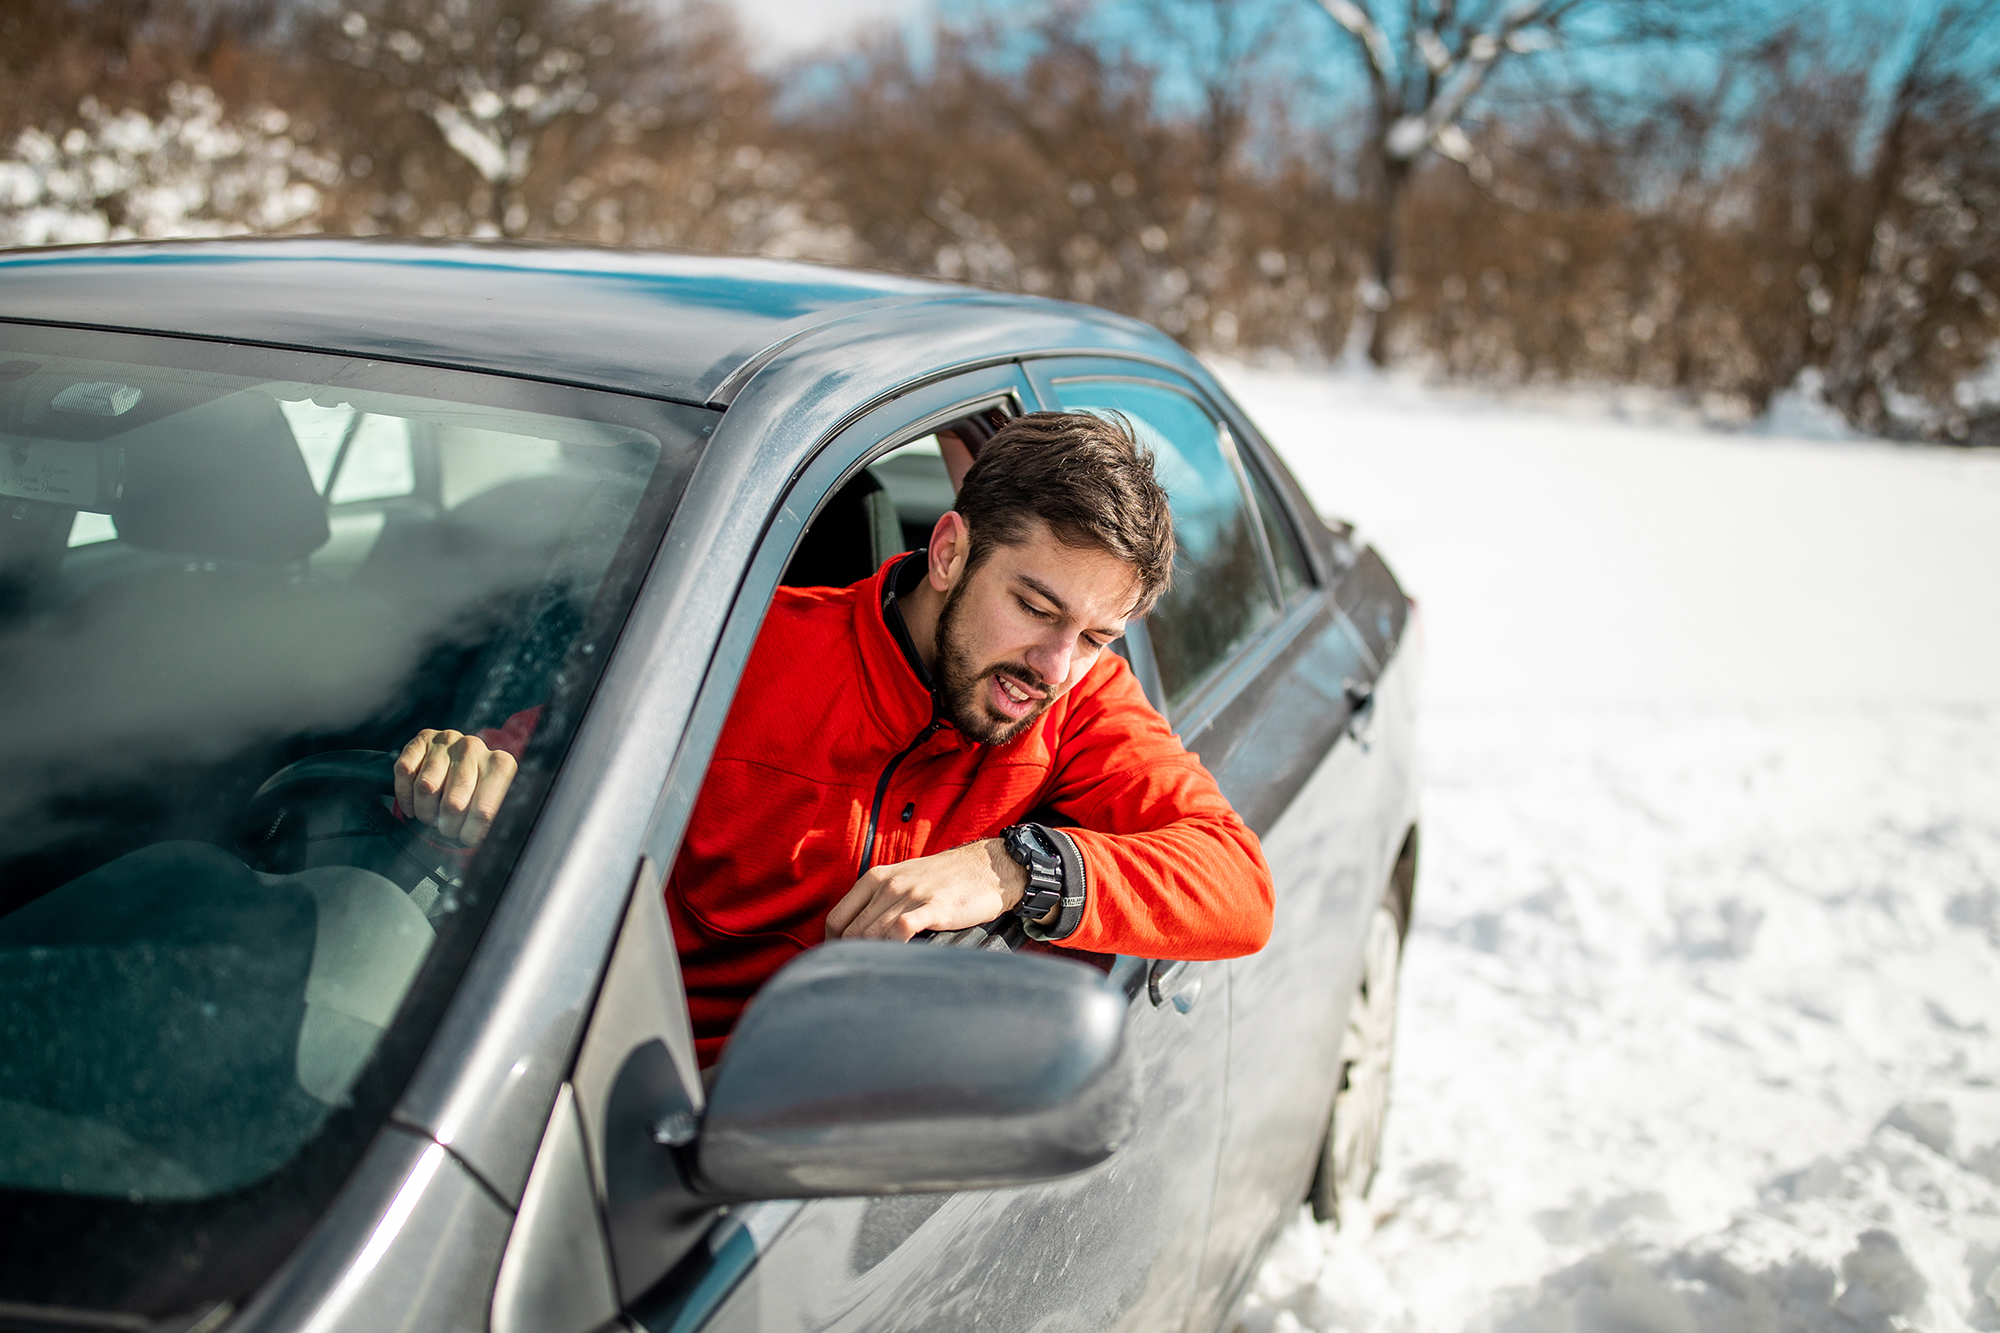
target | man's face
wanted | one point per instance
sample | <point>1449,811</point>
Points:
<point>1019,631</point>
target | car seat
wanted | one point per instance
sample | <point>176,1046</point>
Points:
<point>848,539</point>
<point>216,514</point>
<point>222,481</point>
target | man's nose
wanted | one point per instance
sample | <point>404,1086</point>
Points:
<point>1050,659</point>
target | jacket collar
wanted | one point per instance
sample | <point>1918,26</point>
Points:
<point>904,576</point>
<point>895,683</point>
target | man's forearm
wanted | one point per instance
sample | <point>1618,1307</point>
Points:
<point>1198,888</point>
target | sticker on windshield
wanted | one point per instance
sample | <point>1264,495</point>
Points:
<point>98,398</point>
<point>63,474</point>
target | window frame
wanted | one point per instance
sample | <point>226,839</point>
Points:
<point>1258,473</point>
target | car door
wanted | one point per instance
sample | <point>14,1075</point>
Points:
<point>1256,665</point>
<point>1116,1247</point>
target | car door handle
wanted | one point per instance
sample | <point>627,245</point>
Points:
<point>1174,982</point>
<point>1360,709</point>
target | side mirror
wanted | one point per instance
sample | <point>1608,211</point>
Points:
<point>875,1068</point>
<point>860,1069</point>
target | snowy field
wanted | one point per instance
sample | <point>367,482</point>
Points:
<point>1701,1007</point>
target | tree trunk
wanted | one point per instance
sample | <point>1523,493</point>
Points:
<point>499,196</point>
<point>1850,385</point>
<point>1395,187</point>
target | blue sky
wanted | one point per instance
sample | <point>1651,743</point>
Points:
<point>782,31</point>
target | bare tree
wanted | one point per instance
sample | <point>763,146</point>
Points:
<point>128,54</point>
<point>498,78</point>
<point>195,170</point>
<point>1224,46</point>
<point>1428,66</point>
<point>1068,173</point>
<point>1911,299</point>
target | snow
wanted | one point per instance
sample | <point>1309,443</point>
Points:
<point>1700,1002</point>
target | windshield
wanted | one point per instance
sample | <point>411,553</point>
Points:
<point>233,582</point>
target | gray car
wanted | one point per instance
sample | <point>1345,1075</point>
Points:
<point>272,1058</point>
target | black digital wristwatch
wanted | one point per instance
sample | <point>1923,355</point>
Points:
<point>1035,852</point>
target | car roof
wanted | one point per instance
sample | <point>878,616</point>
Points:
<point>689,328</point>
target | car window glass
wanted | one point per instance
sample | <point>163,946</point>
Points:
<point>364,455</point>
<point>1293,578</point>
<point>87,529</point>
<point>475,459</point>
<point>196,964</point>
<point>320,431</point>
<point>376,463</point>
<point>1221,596</point>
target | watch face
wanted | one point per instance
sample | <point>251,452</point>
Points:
<point>1036,844</point>
<point>1030,849</point>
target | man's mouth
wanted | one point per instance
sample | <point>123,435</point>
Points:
<point>1014,699</point>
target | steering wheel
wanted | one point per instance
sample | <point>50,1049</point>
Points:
<point>323,796</point>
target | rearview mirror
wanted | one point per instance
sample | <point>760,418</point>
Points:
<point>874,1068</point>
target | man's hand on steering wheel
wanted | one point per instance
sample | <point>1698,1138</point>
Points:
<point>453,782</point>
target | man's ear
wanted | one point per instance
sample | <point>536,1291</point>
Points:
<point>951,544</point>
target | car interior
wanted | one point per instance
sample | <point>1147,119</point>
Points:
<point>443,590</point>
<point>887,508</point>
<point>230,601</point>
<point>234,600</point>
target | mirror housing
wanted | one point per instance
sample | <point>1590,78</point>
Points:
<point>867,1067</point>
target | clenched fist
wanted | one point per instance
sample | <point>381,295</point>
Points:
<point>453,782</point>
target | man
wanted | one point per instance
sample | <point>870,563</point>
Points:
<point>889,740</point>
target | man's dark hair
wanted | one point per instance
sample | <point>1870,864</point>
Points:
<point>1087,477</point>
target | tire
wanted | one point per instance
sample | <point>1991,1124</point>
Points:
<point>1352,1148</point>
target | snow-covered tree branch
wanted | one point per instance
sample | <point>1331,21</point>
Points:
<point>493,76</point>
<point>1428,64</point>
<point>193,171</point>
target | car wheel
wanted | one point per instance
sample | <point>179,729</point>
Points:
<point>1352,1148</point>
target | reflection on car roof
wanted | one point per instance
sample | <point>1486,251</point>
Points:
<point>668,325</point>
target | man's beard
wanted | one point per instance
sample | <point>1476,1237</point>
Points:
<point>962,684</point>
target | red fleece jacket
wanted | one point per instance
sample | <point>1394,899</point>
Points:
<point>781,829</point>
<point>829,700</point>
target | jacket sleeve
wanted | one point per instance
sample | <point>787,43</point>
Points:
<point>514,734</point>
<point>1170,868</point>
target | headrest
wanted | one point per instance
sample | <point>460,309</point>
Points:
<point>524,514</point>
<point>224,479</point>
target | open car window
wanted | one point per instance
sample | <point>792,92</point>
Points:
<point>232,583</point>
<point>918,486</point>
<point>885,509</point>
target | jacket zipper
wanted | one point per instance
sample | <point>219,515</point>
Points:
<point>882,790</point>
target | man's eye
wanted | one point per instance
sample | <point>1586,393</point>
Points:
<point>1035,611</point>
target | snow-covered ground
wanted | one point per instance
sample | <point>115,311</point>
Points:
<point>1701,1007</point>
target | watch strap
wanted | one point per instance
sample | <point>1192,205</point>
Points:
<point>1075,891</point>
<point>1034,851</point>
